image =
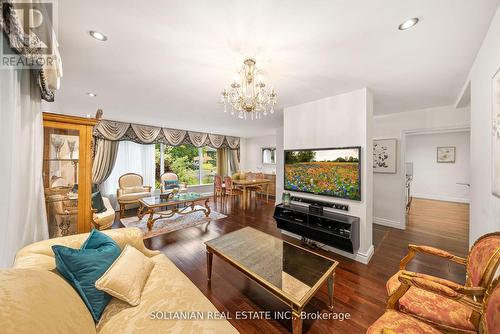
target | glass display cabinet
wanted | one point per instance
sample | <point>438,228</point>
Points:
<point>67,173</point>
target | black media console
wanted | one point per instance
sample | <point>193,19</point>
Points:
<point>334,229</point>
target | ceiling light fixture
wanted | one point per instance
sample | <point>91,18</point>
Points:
<point>92,94</point>
<point>408,23</point>
<point>98,35</point>
<point>248,95</point>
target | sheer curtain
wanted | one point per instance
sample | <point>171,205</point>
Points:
<point>131,158</point>
<point>22,209</point>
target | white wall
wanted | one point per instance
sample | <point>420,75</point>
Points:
<point>243,154</point>
<point>485,208</point>
<point>438,181</point>
<point>388,189</point>
<point>253,158</point>
<point>280,162</point>
<point>337,121</point>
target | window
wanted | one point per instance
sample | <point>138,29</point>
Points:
<point>209,166</point>
<point>193,165</point>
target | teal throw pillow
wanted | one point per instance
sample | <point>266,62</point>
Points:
<point>170,184</point>
<point>97,202</point>
<point>83,267</point>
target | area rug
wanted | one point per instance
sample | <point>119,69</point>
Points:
<point>174,223</point>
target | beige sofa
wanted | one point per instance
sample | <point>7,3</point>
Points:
<point>34,298</point>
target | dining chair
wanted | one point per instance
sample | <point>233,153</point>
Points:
<point>257,189</point>
<point>230,189</point>
<point>218,187</point>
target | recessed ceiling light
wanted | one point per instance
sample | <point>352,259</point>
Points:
<point>98,35</point>
<point>92,94</point>
<point>408,23</point>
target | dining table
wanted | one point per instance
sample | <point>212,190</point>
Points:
<point>247,183</point>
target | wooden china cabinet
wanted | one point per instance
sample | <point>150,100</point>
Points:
<point>67,173</point>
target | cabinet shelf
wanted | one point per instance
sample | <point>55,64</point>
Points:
<point>334,229</point>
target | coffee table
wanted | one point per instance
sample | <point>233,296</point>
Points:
<point>290,272</point>
<point>152,206</point>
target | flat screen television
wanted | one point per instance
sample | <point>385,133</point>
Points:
<point>332,172</point>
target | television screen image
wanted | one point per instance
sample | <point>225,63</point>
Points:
<point>331,172</point>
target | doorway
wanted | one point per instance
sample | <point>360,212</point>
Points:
<point>437,180</point>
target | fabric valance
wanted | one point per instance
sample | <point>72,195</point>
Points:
<point>144,134</point>
<point>46,66</point>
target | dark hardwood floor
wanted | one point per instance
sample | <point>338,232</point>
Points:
<point>359,289</point>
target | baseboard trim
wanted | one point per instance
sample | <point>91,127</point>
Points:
<point>442,198</point>
<point>389,223</point>
<point>358,256</point>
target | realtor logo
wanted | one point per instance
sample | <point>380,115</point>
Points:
<point>30,32</point>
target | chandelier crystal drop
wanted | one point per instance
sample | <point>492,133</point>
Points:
<point>248,93</point>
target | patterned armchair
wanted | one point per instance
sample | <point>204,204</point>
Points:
<point>440,311</point>
<point>481,264</point>
<point>484,316</point>
<point>130,190</point>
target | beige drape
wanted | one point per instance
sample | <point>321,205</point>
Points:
<point>234,161</point>
<point>233,142</point>
<point>104,160</point>
<point>222,162</point>
<point>227,161</point>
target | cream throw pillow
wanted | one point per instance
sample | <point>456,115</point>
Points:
<point>133,190</point>
<point>127,276</point>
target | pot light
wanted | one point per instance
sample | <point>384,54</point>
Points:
<point>408,23</point>
<point>92,94</point>
<point>98,35</point>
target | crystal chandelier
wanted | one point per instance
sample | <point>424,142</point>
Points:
<point>248,94</point>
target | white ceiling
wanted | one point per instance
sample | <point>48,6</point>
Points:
<point>166,62</point>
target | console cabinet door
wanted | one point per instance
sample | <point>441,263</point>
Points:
<point>67,173</point>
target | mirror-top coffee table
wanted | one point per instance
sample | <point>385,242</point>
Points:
<point>152,206</point>
<point>290,272</point>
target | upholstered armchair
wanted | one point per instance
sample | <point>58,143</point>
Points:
<point>130,190</point>
<point>483,317</point>
<point>481,263</point>
<point>446,313</point>
<point>170,181</point>
<point>104,220</point>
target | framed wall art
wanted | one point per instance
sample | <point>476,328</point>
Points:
<point>385,156</point>
<point>446,154</point>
